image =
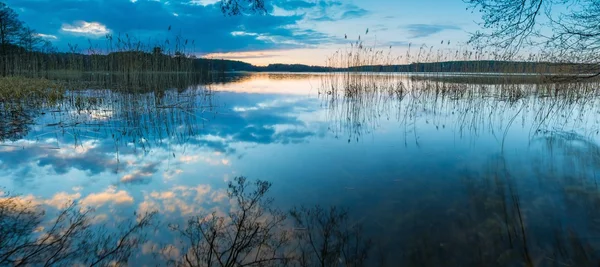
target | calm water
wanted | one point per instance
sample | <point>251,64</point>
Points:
<point>466,174</point>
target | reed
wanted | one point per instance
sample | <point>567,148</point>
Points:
<point>21,88</point>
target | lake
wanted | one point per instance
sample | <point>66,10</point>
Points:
<point>437,170</point>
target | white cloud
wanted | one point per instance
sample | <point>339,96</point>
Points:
<point>242,33</point>
<point>208,160</point>
<point>19,203</point>
<point>46,36</point>
<point>183,199</point>
<point>86,28</point>
<point>110,195</point>
<point>204,2</point>
<point>59,200</point>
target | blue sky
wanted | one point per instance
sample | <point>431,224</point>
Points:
<point>294,31</point>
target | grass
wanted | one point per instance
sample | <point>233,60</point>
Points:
<point>369,88</point>
<point>23,89</point>
<point>358,103</point>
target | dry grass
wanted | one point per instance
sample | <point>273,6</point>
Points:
<point>21,88</point>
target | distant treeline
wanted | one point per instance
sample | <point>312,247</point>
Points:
<point>481,66</point>
<point>232,65</point>
<point>485,66</point>
<point>20,61</point>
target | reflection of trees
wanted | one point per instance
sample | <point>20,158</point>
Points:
<point>326,238</point>
<point>142,107</point>
<point>141,119</point>
<point>69,239</point>
<point>130,82</point>
<point>500,217</point>
<point>14,123</point>
<point>485,229</point>
<point>250,235</point>
<point>505,220</point>
<point>255,234</point>
<point>357,103</point>
<point>498,221</point>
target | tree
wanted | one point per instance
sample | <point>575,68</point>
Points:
<point>327,238</point>
<point>69,239</point>
<point>29,39</point>
<point>157,51</point>
<point>568,30</point>
<point>250,235</point>
<point>255,234</point>
<point>47,47</point>
<point>10,26</point>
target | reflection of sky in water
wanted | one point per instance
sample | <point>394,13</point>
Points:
<point>281,130</point>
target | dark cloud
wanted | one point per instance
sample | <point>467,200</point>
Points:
<point>294,136</point>
<point>143,175</point>
<point>424,30</point>
<point>215,145</point>
<point>331,10</point>
<point>255,134</point>
<point>93,161</point>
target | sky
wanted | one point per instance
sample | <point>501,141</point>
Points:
<point>292,31</point>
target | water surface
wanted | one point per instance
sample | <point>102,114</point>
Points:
<point>437,174</point>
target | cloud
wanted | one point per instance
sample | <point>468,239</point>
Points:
<point>91,156</point>
<point>293,136</point>
<point>59,200</point>
<point>256,123</point>
<point>141,175</point>
<point>242,33</point>
<point>110,195</point>
<point>291,5</point>
<point>204,2</point>
<point>211,160</point>
<point>86,28</point>
<point>424,30</point>
<point>22,203</point>
<point>183,199</point>
<point>74,21</point>
<point>46,36</point>
<point>352,14</point>
<point>250,119</point>
<point>336,10</point>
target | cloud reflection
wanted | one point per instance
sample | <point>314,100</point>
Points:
<point>109,196</point>
<point>183,200</point>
